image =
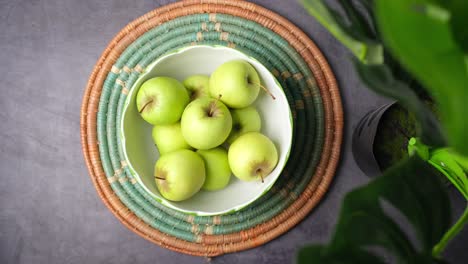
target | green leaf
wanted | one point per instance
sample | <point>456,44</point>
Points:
<point>380,79</point>
<point>353,36</point>
<point>420,37</point>
<point>459,10</point>
<point>462,161</point>
<point>411,187</point>
<point>446,162</point>
<point>358,27</point>
<point>452,166</point>
<point>420,200</point>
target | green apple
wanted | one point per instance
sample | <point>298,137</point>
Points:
<point>217,168</point>
<point>161,100</point>
<point>206,123</point>
<point>252,156</point>
<point>197,85</point>
<point>179,174</point>
<point>244,120</point>
<point>169,138</point>
<point>236,82</point>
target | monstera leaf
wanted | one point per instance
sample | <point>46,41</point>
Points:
<point>458,9</point>
<point>429,40</point>
<point>356,34</point>
<point>377,69</point>
<point>453,166</point>
<point>412,188</point>
<point>380,79</point>
<point>420,44</point>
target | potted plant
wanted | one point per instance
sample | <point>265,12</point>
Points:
<point>402,49</point>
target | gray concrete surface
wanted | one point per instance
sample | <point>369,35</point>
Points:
<point>49,209</point>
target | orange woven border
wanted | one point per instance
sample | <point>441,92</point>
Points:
<point>210,245</point>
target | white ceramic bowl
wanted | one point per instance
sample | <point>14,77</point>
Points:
<point>141,153</point>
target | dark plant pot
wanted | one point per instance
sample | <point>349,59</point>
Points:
<point>380,139</point>
<point>363,141</point>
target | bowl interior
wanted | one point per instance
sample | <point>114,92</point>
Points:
<point>141,153</point>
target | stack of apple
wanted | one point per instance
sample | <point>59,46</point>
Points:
<point>195,122</point>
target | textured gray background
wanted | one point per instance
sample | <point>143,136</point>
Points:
<point>49,210</point>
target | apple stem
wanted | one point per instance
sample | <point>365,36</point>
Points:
<point>266,90</point>
<point>259,174</point>
<point>159,178</point>
<point>219,98</point>
<point>143,108</point>
<point>212,109</point>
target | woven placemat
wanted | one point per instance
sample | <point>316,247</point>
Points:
<point>286,51</point>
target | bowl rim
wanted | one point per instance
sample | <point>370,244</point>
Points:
<point>137,177</point>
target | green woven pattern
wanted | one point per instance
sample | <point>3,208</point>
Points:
<point>254,40</point>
